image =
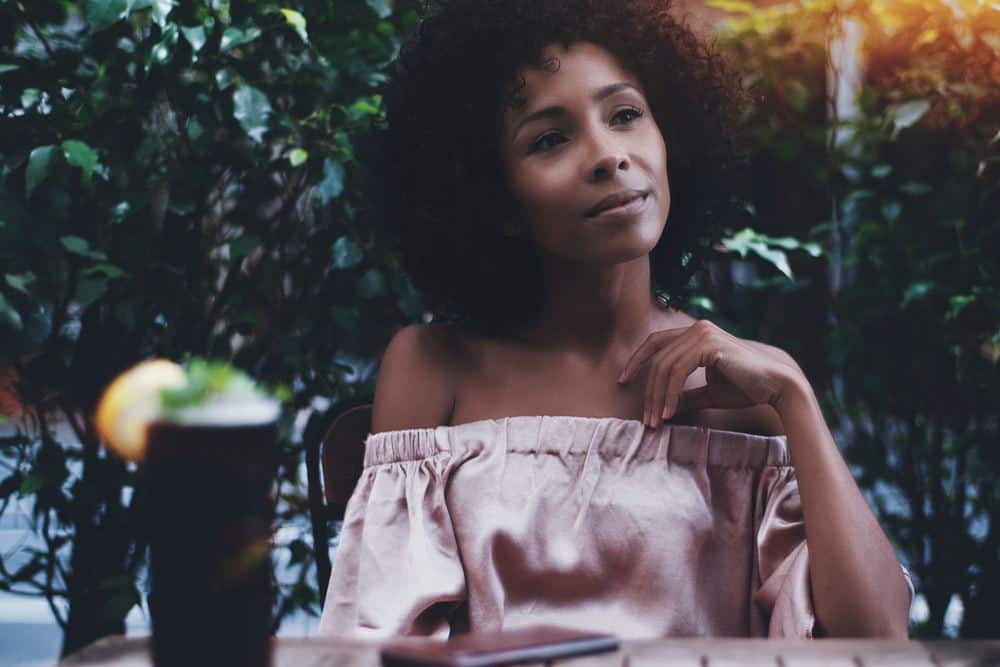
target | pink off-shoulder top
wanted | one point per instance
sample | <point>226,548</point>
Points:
<point>592,522</point>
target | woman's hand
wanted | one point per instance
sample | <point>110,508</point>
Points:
<point>740,373</point>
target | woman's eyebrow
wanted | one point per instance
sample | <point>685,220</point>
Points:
<point>552,112</point>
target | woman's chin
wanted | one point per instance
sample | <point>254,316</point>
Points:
<point>639,243</point>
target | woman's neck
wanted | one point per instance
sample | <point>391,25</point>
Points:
<point>595,311</point>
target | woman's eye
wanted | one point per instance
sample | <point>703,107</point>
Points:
<point>541,143</point>
<point>634,112</point>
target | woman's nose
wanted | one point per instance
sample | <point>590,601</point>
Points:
<point>609,160</point>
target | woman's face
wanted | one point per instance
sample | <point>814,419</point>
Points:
<point>585,132</point>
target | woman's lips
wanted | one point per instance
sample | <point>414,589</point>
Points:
<point>628,209</point>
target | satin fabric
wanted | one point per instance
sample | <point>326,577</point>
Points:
<point>592,522</point>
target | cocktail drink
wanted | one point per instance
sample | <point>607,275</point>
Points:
<point>208,465</point>
<point>210,506</point>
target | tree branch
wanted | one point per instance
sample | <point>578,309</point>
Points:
<point>53,557</point>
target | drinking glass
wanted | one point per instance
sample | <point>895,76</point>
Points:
<point>210,500</point>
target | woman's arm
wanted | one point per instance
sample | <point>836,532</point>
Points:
<point>858,587</point>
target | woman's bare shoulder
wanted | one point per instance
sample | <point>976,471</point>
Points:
<point>417,378</point>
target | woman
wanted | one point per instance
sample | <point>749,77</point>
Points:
<point>568,446</point>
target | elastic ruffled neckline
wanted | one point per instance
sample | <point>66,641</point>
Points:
<point>559,434</point>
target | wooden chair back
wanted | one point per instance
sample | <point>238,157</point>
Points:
<point>333,466</point>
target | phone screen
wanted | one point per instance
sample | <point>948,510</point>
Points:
<point>484,649</point>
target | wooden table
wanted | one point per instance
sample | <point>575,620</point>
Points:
<point>317,652</point>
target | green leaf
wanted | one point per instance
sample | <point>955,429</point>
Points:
<point>103,13</point>
<point>30,97</point>
<point>914,188</point>
<point>233,37</point>
<point>161,10</point>
<point>298,156</point>
<point>345,317</point>
<point>958,304</point>
<point>114,583</point>
<point>372,284</point>
<point>345,253</point>
<point>383,8</point>
<point>243,246</point>
<point>7,68</point>
<point>776,258</point>
<point>789,243</point>
<point>31,484</point>
<point>106,270</point>
<point>90,289</point>
<point>703,302</point>
<point>332,183</point>
<point>39,165</point>
<point>206,378</point>
<point>20,281</point>
<point>195,37</point>
<point>915,291</point>
<point>118,605</point>
<point>906,114</point>
<point>282,393</point>
<point>80,154</point>
<point>891,210</point>
<point>9,314</point>
<point>297,21</point>
<point>299,551</point>
<point>224,78</point>
<point>78,246</point>
<point>119,212</point>
<point>881,170</point>
<point>364,108</point>
<point>163,51</point>
<point>747,240</point>
<point>814,249</point>
<point>252,109</point>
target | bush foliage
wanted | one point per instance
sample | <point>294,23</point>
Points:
<point>907,336</point>
<point>179,177</point>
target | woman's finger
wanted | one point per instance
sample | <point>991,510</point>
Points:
<point>652,376</point>
<point>671,373</point>
<point>685,364</point>
<point>654,343</point>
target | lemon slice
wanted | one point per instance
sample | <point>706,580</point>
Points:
<point>131,402</point>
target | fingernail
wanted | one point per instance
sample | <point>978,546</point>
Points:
<point>621,378</point>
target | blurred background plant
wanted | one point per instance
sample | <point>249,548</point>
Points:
<point>178,177</point>
<point>899,327</point>
<point>182,176</point>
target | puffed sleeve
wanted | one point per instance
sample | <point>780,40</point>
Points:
<point>784,597</point>
<point>397,569</point>
<point>783,600</point>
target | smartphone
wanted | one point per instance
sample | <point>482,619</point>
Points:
<point>536,643</point>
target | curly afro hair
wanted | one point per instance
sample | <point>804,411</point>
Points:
<point>435,172</point>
